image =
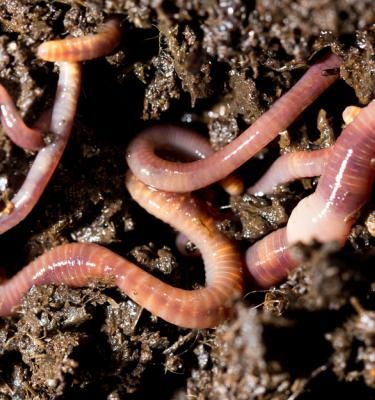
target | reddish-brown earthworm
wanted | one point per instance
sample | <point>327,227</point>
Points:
<point>76,264</point>
<point>184,177</point>
<point>14,127</point>
<point>329,213</point>
<point>48,157</point>
<point>83,48</point>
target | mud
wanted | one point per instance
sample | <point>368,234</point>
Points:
<point>215,66</point>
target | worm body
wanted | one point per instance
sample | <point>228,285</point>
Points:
<point>329,213</point>
<point>14,127</point>
<point>48,157</point>
<point>83,48</point>
<point>75,264</point>
<point>300,164</point>
<point>184,177</point>
<point>344,186</point>
<point>269,260</point>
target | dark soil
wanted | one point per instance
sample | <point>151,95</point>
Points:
<point>215,65</point>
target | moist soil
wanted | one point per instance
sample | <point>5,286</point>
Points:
<point>214,66</point>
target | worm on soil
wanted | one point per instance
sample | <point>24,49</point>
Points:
<point>296,165</point>
<point>83,48</point>
<point>329,213</point>
<point>77,263</point>
<point>48,157</point>
<point>146,164</point>
<point>14,127</point>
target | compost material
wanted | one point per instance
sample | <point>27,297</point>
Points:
<point>214,66</point>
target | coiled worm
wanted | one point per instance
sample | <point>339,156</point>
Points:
<point>48,157</point>
<point>145,163</point>
<point>75,264</point>
<point>329,213</point>
<point>14,127</point>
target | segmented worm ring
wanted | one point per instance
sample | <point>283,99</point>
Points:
<point>185,177</point>
<point>83,48</point>
<point>75,264</point>
<point>48,157</point>
<point>13,125</point>
<point>329,213</point>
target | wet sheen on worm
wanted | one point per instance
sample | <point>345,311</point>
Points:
<point>86,47</point>
<point>60,123</point>
<point>183,177</point>
<point>48,158</point>
<point>298,164</point>
<point>76,264</point>
<point>14,127</point>
<point>329,213</point>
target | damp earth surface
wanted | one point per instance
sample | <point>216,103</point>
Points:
<point>214,66</point>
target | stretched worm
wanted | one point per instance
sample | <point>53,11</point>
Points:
<point>300,164</point>
<point>75,264</point>
<point>48,157</point>
<point>183,177</point>
<point>83,48</point>
<point>14,127</point>
<point>329,213</point>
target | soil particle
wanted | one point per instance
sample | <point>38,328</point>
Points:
<point>68,341</point>
<point>232,364</point>
<point>162,88</point>
<point>370,223</point>
<point>354,346</point>
<point>358,69</point>
<point>239,107</point>
<point>255,216</point>
<point>161,259</point>
<point>220,63</point>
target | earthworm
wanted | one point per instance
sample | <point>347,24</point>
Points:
<point>48,157</point>
<point>83,48</point>
<point>191,145</point>
<point>329,213</point>
<point>183,177</point>
<point>76,263</point>
<point>14,127</point>
<point>269,260</point>
<point>299,164</point>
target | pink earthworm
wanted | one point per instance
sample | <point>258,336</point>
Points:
<point>184,177</point>
<point>299,164</point>
<point>194,146</point>
<point>296,165</point>
<point>48,157</point>
<point>75,264</point>
<point>329,213</point>
<point>14,127</point>
<point>83,48</point>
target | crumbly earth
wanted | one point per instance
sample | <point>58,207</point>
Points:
<point>216,66</point>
